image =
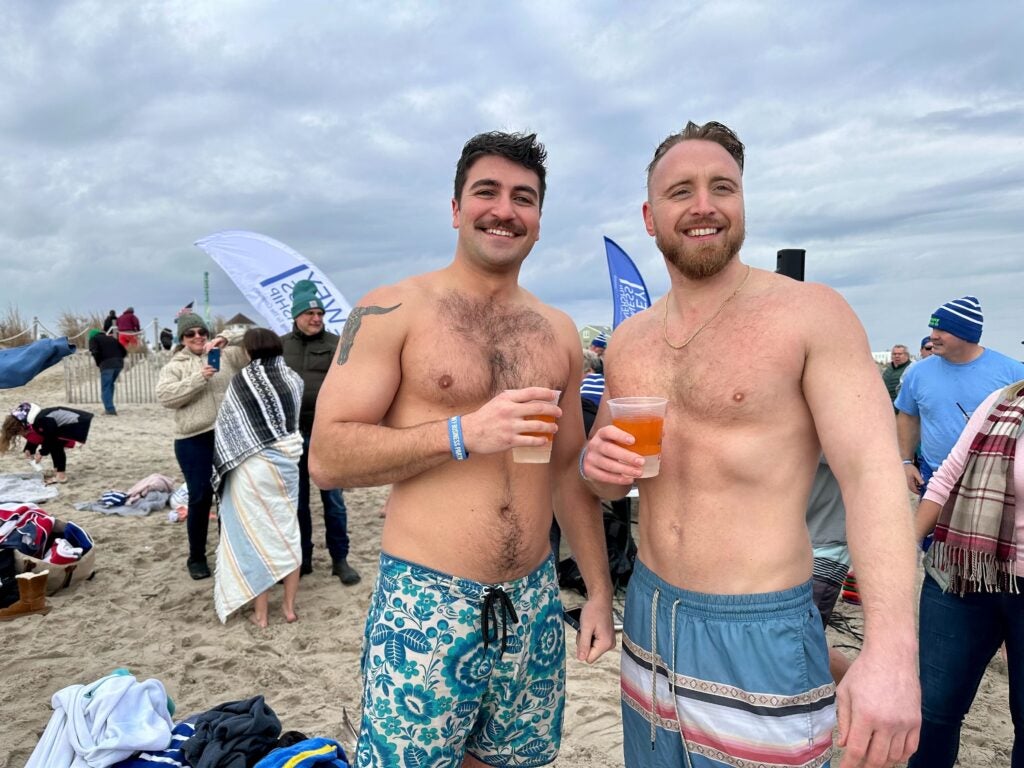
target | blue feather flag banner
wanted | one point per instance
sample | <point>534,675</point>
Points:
<point>629,294</point>
<point>266,271</point>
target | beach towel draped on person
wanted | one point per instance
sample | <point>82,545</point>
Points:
<point>104,722</point>
<point>256,453</point>
<point>259,408</point>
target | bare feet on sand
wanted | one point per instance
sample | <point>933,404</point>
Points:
<point>290,615</point>
<point>259,621</point>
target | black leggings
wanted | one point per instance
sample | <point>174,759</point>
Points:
<point>52,448</point>
<point>195,457</point>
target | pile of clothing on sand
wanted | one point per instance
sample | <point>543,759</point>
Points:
<point>32,540</point>
<point>121,722</point>
<point>150,494</point>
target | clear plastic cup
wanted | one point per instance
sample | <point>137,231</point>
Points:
<point>537,454</point>
<point>644,419</point>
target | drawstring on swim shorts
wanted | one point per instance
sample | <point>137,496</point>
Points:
<point>489,615</point>
<point>670,672</point>
<point>654,665</point>
<point>672,686</point>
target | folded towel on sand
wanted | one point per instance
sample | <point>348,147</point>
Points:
<point>28,487</point>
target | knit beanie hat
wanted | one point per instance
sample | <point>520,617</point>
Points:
<point>21,411</point>
<point>960,317</point>
<point>304,298</point>
<point>925,341</point>
<point>93,332</point>
<point>601,340</point>
<point>188,320</point>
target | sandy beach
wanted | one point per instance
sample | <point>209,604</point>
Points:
<point>142,612</point>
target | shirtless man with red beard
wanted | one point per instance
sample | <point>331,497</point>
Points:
<point>437,378</point>
<point>724,659</point>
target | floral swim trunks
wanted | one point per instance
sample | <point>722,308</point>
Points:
<point>453,666</point>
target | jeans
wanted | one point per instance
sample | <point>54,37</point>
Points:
<point>195,457</point>
<point>335,514</point>
<point>959,636</point>
<point>108,376</point>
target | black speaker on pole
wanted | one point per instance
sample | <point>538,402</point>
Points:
<point>791,263</point>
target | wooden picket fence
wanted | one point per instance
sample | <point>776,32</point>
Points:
<point>136,384</point>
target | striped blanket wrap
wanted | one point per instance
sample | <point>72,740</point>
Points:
<point>256,455</point>
<point>260,407</point>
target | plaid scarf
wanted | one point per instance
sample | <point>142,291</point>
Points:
<point>975,537</point>
<point>260,407</point>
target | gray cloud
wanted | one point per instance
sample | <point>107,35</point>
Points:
<point>885,142</point>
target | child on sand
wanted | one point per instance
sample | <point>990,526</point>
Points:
<point>46,431</point>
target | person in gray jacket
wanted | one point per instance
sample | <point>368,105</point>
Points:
<point>309,350</point>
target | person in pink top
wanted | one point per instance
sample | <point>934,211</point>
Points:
<point>971,601</point>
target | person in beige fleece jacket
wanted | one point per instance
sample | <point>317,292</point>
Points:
<point>194,389</point>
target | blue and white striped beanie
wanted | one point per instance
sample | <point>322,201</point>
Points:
<point>960,317</point>
<point>601,340</point>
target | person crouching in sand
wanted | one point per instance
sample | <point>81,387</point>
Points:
<point>257,446</point>
<point>46,431</point>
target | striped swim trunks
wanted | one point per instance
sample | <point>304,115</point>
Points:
<point>712,680</point>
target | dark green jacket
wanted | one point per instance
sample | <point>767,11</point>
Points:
<point>893,377</point>
<point>311,358</point>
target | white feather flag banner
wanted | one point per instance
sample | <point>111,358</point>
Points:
<point>266,271</point>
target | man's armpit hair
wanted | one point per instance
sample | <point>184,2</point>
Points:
<point>352,326</point>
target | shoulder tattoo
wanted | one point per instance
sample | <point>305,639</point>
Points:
<point>352,326</point>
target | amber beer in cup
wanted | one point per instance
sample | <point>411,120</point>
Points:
<point>644,419</point>
<point>537,454</point>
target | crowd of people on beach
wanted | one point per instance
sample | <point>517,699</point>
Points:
<point>776,424</point>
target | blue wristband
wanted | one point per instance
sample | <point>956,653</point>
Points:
<point>455,441</point>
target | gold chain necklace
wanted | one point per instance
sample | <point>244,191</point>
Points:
<point>706,323</point>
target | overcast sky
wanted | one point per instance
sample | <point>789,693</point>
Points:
<point>885,138</point>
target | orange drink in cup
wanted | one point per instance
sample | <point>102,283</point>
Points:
<point>537,454</point>
<point>644,419</point>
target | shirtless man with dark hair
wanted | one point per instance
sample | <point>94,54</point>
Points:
<point>436,379</point>
<point>724,659</point>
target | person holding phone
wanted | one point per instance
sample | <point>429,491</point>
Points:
<point>193,386</point>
